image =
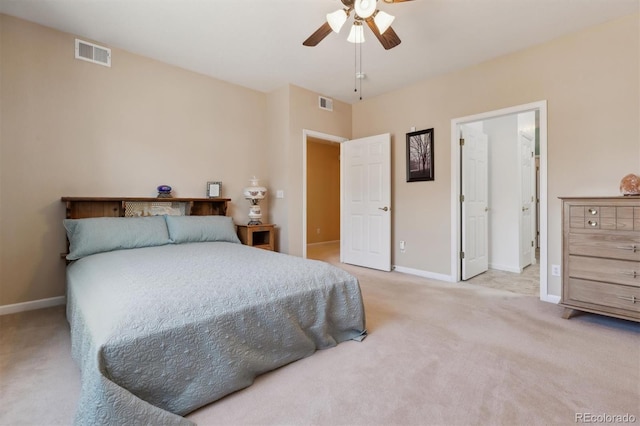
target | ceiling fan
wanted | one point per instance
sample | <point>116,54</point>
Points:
<point>365,11</point>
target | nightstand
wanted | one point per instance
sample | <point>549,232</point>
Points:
<point>260,236</point>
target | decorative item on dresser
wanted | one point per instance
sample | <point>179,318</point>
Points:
<point>630,185</point>
<point>601,256</point>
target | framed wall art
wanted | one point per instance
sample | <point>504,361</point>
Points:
<point>420,156</point>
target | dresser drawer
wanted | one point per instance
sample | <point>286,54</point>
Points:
<point>584,217</point>
<point>602,294</point>
<point>609,270</point>
<point>619,218</point>
<point>611,245</point>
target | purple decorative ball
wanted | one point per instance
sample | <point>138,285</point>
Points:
<point>164,189</point>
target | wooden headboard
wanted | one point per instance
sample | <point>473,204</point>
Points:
<point>86,207</point>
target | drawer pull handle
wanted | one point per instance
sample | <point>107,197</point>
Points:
<point>632,247</point>
<point>633,274</point>
<point>593,223</point>
<point>593,211</point>
<point>631,299</point>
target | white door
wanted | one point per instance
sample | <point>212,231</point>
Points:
<point>365,228</point>
<point>527,201</point>
<point>474,199</point>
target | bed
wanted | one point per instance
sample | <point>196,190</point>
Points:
<point>170,313</point>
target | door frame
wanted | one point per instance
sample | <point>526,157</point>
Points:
<point>306,134</point>
<point>541,106</point>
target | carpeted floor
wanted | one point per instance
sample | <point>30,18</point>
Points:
<point>527,282</point>
<point>437,354</point>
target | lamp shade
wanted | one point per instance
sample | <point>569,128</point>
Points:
<point>383,20</point>
<point>365,8</point>
<point>254,191</point>
<point>337,19</point>
<point>356,35</point>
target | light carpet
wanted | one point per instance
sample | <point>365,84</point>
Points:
<point>437,354</point>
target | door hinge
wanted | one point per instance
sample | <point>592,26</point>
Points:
<point>531,243</point>
<point>531,154</point>
<point>461,141</point>
<point>461,255</point>
<point>462,198</point>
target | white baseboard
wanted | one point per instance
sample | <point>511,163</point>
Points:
<point>550,298</point>
<point>30,306</point>
<point>505,268</point>
<point>425,274</point>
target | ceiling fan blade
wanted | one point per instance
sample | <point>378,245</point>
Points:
<point>319,35</point>
<point>389,39</point>
<point>395,1</point>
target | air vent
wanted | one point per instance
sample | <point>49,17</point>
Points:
<point>325,103</point>
<point>93,53</point>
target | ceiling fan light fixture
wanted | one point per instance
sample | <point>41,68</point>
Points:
<point>356,35</point>
<point>383,20</point>
<point>365,8</point>
<point>337,19</point>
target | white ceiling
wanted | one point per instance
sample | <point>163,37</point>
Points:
<point>258,43</point>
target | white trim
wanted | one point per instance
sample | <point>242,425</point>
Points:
<point>331,138</point>
<point>505,268</point>
<point>541,106</point>
<point>33,305</point>
<point>425,274</point>
<point>551,298</point>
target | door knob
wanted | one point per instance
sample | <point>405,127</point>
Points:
<point>385,208</point>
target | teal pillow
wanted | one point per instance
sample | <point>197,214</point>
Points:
<point>196,229</point>
<point>101,234</point>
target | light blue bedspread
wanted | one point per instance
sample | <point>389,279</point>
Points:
<point>161,331</point>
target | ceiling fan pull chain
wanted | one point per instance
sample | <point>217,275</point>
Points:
<point>360,74</point>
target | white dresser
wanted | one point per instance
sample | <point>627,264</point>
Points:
<point>601,256</point>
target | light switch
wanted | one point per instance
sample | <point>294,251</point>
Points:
<point>279,193</point>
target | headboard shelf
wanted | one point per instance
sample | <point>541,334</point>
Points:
<point>86,207</point>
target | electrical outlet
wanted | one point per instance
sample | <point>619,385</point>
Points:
<point>318,231</point>
<point>555,270</point>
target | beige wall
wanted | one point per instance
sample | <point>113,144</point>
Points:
<point>304,114</point>
<point>68,127</point>
<point>591,82</point>
<point>323,191</point>
<point>72,128</point>
<point>277,157</point>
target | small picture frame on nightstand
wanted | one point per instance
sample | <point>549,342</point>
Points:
<point>213,189</point>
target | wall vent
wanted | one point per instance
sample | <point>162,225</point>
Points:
<point>325,103</point>
<point>93,53</point>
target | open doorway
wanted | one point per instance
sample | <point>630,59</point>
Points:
<point>539,133</point>
<point>321,196</point>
